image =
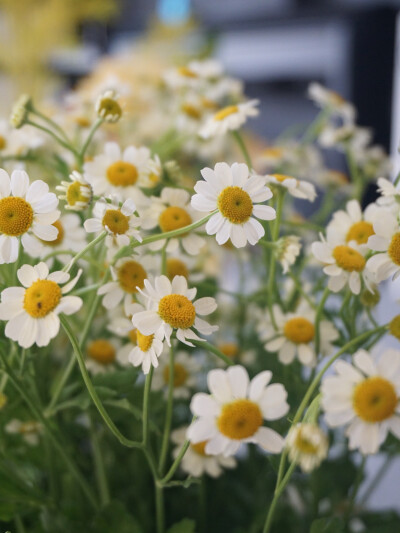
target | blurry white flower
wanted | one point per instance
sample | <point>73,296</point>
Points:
<point>229,118</point>
<point>386,241</point>
<point>108,107</point>
<point>77,193</point>
<point>332,101</point>
<point>289,248</point>
<point>307,445</point>
<point>297,188</point>
<point>30,430</point>
<point>186,370</point>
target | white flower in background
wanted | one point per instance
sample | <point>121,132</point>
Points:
<point>30,430</point>
<point>332,101</point>
<point>120,172</point>
<point>194,75</point>
<point>234,193</point>
<point>297,188</point>
<point>348,136</point>
<point>386,241</point>
<point>119,221</point>
<point>102,355</point>
<point>128,276</point>
<point>77,193</point>
<point>390,194</point>
<point>235,411</point>
<point>295,335</point>
<point>18,142</point>
<point>170,212</point>
<point>364,396</point>
<point>374,161</point>
<point>169,306</point>
<point>307,445</point>
<point>196,461</point>
<point>25,209</point>
<point>32,311</point>
<point>344,264</point>
<point>186,371</point>
<point>148,350</point>
<point>229,118</point>
<point>108,107</point>
<point>289,249</point>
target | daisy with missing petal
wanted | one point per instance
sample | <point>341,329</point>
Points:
<point>169,306</point>
<point>386,241</point>
<point>235,411</point>
<point>77,193</point>
<point>32,311</point>
<point>364,396</point>
<point>235,194</point>
<point>295,335</point>
<point>229,118</point>
<point>170,212</point>
<point>25,209</point>
<point>186,371</point>
<point>196,461</point>
<point>298,188</point>
<point>307,445</point>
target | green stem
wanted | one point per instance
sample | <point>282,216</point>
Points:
<point>207,346</point>
<point>168,413</point>
<point>272,257</point>
<point>356,486</point>
<point>277,495</point>
<point>146,404</point>
<point>89,138</point>
<point>60,141</point>
<point>88,247</point>
<point>318,316</point>
<point>175,464</point>
<point>51,123</point>
<point>242,146</point>
<point>160,518</point>
<point>164,258</point>
<point>100,470</point>
<point>355,175</point>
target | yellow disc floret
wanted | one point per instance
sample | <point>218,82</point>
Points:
<point>375,399</point>
<point>3,142</point>
<point>230,349</point>
<point>109,109</point>
<point>132,334</point>
<point>299,330</point>
<point>131,275</point>
<point>394,327</point>
<point>122,174</point>
<point>394,249</point>
<point>41,298</point>
<point>115,221</point>
<point>177,311</point>
<point>225,112</point>
<point>176,267</point>
<point>282,177</point>
<point>78,193</point>
<point>191,111</point>
<point>16,216</point>
<point>239,419</point>
<point>101,351</point>
<point>304,445</point>
<point>180,375</point>
<point>200,447</point>
<point>60,235</point>
<point>235,204</point>
<point>348,258</point>
<point>144,341</point>
<point>360,232</point>
<point>173,218</point>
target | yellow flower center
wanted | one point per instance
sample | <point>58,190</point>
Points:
<point>116,221</point>
<point>304,445</point>
<point>101,351</point>
<point>176,267</point>
<point>299,330</point>
<point>131,275</point>
<point>122,174</point>
<point>144,341</point>
<point>208,104</point>
<point>374,399</point>
<point>235,204</point>
<point>180,375</point>
<point>225,112</point>
<point>60,235</point>
<point>3,142</point>
<point>273,151</point>
<point>109,108</point>
<point>16,216</point>
<point>230,349</point>
<point>29,427</point>
<point>132,334</point>
<point>78,192</point>
<point>177,311</point>
<point>281,177</point>
<point>83,122</point>
<point>348,258</point>
<point>187,72</point>
<point>191,111</point>
<point>394,249</point>
<point>394,327</point>
<point>200,447</point>
<point>360,232</point>
<point>173,218</point>
<point>239,419</point>
<point>41,298</point>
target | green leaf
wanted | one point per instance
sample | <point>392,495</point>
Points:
<point>184,526</point>
<point>327,525</point>
<point>115,517</point>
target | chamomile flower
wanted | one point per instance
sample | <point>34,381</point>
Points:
<point>295,335</point>
<point>235,411</point>
<point>297,188</point>
<point>102,355</point>
<point>288,250</point>
<point>120,172</point>
<point>390,194</point>
<point>169,306</point>
<point>25,209</point>
<point>332,101</point>
<point>364,396</point>
<point>386,241</point>
<point>307,445</point>
<point>77,193</point>
<point>170,212</point>
<point>196,461</point>
<point>147,350</point>
<point>30,430</point>
<point>186,370</point>
<point>32,311</point>
<point>107,106</point>
<point>235,194</point>
<point>229,118</point>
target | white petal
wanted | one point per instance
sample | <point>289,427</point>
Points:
<point>239,380</point>
<point>269,439</point>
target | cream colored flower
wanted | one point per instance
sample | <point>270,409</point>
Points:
<point>307,445</point>
<point>186,371</point>
<point>108,107</point>
<point>297,188</point>
<point>332,101</point>
<point>229,118</point>
<point>77,193</point>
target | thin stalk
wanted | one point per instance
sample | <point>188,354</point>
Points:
<point>60,141</point>
<point>277,495</point>
<point>356,486</point>
<point>272,257</point>
<point>99,467</point>
<point>242,147</point>
<point>146,404</point>
<point>51,123</point>
<point>318,316</point>
<point>160,514</point>
<point>207,346</point>
<point>89,138</point>
<point>88,247</point>
<point>168,413</point>
<point>175,464</point>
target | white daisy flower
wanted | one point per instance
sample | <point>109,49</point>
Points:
<point>229,118</point>
<point>77,193</point>
<point>346,136</point>
<point>234,193</point>
<point>25,209</point>
<point>295,335</point>
<point>196,461</point>
<point>389,193</point>
<point>186,371</point>
<point>193,75</point>
<point>29,430</point>
<point>147,351</point>
<point>331,100</point>
<point>307,445</point>
<point>120,172</point>
<point>297,188</point>
<point>386,241</point>
<point>289,249</point>
<point>18,142</point>
<point>169,306</point>
<point>170,212</point>
<point>107,106</point>
<point>102,355</point>
<point>235,410</point>
<point>32,311</point>
<point>364,396</point>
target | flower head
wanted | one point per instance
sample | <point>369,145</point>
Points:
<point>107,106</point>
<point>332,101</point>
<point>20,111</point>
<point>186,371</point>
<point>77,193</point>
<point>289,248</point>
<point>297,188</point>
<point>29,430</point>
<point>307,445</point>
<point>229,118</point>
<point>385,241</point>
